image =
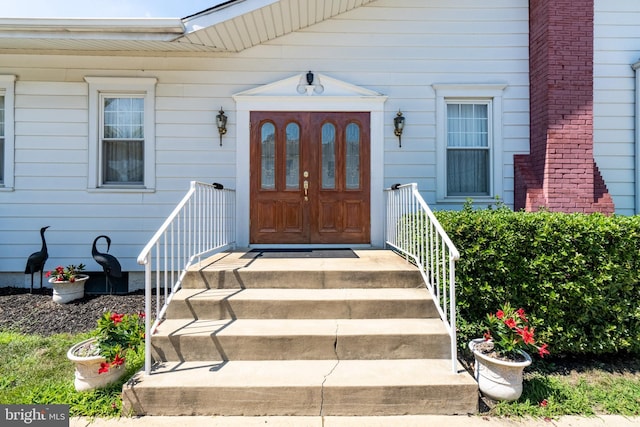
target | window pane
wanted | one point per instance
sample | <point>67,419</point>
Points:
<point>123,162</point>
<point>268,153</point>
<point>467,125</point>
<point>2,116</point>
<point>468,172</point>
<point>353,156</point>
<point>124,118</point>
<point>293,156</point>
<point>328,156</point>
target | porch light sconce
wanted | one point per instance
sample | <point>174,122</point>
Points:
<point>310,88</point>
<point>221,121</point>
<point>398,126</point>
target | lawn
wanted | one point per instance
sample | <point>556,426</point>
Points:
<point>35,370</point>
<point>578,387</point>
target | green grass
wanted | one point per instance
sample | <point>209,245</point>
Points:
<point>587,392</point>
<point>35,370</point>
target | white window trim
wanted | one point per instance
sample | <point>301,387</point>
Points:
<point>145,86</point>
<point>468,93</point>
<point>636,67</point>
<point>7,89</point>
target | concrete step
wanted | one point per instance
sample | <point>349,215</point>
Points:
<point>244,270</point>
<point>379,303</point>
<point>304,339</point>
<point>310,279</point>
<point>311,387</point>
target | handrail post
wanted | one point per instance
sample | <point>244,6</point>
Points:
<point>147,318</point>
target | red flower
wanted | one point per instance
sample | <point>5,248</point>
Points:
<point>141,315</point>
<point>104,368</point>
<point>544,403</point>
<point>500,314</point>
<point>116,318</point>
<point>543,350</point>
<point>521,314</point>
<point>527,335</point>
<point>510,323</point>
<point>487,336</point>
<point>48,274</point>
<point>117,361</point>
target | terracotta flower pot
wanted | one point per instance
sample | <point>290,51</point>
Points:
<point>87,376</point>
<point>499,379</point>
<point>65,292</point>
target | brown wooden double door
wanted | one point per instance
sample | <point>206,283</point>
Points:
<point>310,177</point>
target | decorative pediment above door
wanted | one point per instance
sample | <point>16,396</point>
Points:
<point>298,86</point>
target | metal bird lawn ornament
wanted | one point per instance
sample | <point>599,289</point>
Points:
<point>36,260</point>
<point>109,263</point>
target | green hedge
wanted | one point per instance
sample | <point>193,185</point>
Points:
<point>577,276</point>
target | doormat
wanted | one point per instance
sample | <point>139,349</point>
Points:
<point>301,253</point>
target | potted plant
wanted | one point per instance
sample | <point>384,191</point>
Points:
<point>67,282</point>
<point>100,360</point>
<point>501,355</point>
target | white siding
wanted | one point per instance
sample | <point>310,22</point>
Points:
<point>396,47</point>
<point>616,48</point>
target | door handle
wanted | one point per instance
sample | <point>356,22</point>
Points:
<point>305,184</point>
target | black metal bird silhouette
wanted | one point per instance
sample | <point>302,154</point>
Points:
<point>36,260</point>
<point>109,263</point>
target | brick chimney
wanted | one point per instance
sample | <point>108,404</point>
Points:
<point>560,173</point>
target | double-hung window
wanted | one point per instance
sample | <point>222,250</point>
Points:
<point>468,149</point>
<point>469,141</point>
<point>122,133</point>
<point>7,83</point>
<point>122,139</point>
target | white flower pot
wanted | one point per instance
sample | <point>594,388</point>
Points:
<point>86,374</point>
<point>499,379</point>
<point>65,292</point>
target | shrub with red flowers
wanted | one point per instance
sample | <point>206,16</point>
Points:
<point>116,334</point>
<point>509,332</point>
<point>65,274</point>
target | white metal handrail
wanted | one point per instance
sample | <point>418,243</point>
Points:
<point>202,224</point>
<point>413,230</point>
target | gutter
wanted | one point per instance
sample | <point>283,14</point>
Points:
<point>79,28</point>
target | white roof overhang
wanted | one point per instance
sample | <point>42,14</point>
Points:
<point>230,26</point>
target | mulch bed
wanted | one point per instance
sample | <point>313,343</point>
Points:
<point>37,313</point>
